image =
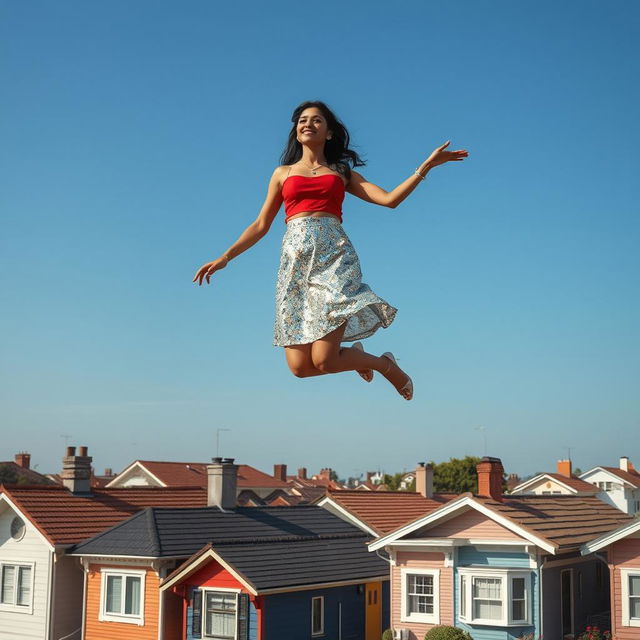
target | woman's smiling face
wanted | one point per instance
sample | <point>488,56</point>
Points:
<point>312,126</point>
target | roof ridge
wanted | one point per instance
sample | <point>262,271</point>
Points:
<point>270,540</point>
<point>153,531</point>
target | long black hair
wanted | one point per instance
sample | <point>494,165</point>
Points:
<point>336,150</point>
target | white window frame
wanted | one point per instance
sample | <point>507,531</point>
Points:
<point>14,606</point>
<point>127,618</point>
<point>433,618</point>
<point>206,590</point>
<point>321,631</point>
<point>625,574</point>
<point>506,576</point>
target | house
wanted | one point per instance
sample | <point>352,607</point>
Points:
<point>258,573</point>
<point>19,471</point>
<point>563,482</point>
<point>501,567</point>
<point>619,551</point>
<point>150,473</point>
<point>41,587</point>
<point>380,512</point>
<point>618,486</point>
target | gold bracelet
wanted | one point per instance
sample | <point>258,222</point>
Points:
<point>417,173</point>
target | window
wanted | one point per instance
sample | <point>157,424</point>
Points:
<point>630,597</point>
<point>18,529</point>
<point>317,616</point>
<point>605,486</point>
<point>420,598</point>
<point>494,596</point>
<point>16,586</point>
<point>220,615</point>
<point>122,598</point>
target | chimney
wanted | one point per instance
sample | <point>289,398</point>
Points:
<point>490,472</point>
<point>424,480</point>
<point>564,468</point>
<point>76,470</point>
<point>370,475</point>
<point>302,473</point>
<point>222,484</point>
<point>624,463</point>
<point>325,474</point>
<point>280,472</point>
<point>23,460</point>
<point>108,472</point>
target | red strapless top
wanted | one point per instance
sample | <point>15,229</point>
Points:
<point>315,193</point>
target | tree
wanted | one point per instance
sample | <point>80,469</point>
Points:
<point>456,476</point>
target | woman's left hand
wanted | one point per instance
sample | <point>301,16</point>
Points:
<point>440,156</point>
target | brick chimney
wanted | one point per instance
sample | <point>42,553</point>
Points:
<point>23,460</point>
<point>76,470</point>
<point>108,472</point>
<point>624,463</point>
<point>302,473</point>
<point>424,480</point>
<point>564,468</point>
<point>222,483</point>
<point>280,472</point>
<point>325,474</point>
<point>490,472</point>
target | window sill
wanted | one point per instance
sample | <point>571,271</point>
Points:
<point>421,619</point>
<point>16,608</point>
<point>497,623</point>
<point>105,617</point>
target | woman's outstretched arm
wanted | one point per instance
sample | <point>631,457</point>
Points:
<point>359,186</point>
<point>254,232</point>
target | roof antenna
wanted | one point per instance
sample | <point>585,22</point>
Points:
<point>66,437</point>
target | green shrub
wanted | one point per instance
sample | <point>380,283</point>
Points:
<point>447,633</point>
<point>387,634</point>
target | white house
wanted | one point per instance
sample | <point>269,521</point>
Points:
<point>562,482</point>
<point>618,486</point>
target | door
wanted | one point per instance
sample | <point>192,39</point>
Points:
<point>566,602</point>
<point>373,611</point>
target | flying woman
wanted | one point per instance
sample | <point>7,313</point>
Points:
<point>321,300</point>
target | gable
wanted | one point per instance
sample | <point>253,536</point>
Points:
<point>546,484</point>
<point>135,476</point>
<point>32,537</point>
<point>213,574</point>
<point>469,524</point>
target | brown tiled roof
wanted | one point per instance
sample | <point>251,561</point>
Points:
<point>632,477</point>
<point>67,519</point>
<point>385,511</point>
<point>24,475</point>
<point>190,474</point>
<point>574,482</point>
<point>315,482</point>
<point>565,521</point>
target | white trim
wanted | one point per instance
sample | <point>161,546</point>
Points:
<point>14,607</point>
<point>541,476</point>
<point>4,497</point>
<point>203,614</point>
<point>103,614</point>
<point>427,618</point>
<point>347,514</point>
<point>321,632</point>
<point>627,529</point>
<point>449,509</point>
<point>119,476</point>
<point>625,574</point>
<point>616,478</point>
<point>506,576</point>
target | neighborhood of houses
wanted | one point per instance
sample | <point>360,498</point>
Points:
<point>184,551</point>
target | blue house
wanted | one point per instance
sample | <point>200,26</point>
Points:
<point>499,567</point>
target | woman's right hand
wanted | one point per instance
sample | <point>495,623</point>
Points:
<point>207,270</point>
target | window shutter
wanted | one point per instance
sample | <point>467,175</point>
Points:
<point>196,615</point>
<point>243,617</point>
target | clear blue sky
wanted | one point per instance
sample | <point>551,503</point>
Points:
<point>137,142</point>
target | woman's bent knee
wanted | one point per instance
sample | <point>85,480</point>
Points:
<point>301,371</point>
<point>326,365</point>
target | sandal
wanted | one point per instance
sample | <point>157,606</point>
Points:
<point>405,391</point>
<point>365,374</point>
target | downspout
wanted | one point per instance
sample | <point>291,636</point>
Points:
<point>50,597</point>
<point>85,572</point>
<point>161,612</point>
<point>541,597</point>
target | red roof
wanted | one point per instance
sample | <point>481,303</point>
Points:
<point>385,511</point>
<point>632,477</point>
<point>194,474</point>
<point>67,519</point>
<point>574,482</point>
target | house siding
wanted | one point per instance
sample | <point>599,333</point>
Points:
<point>288,615</point>
<point>624,554</point>
<point>471,524</point>
<point>34,550</point>
<point>68,581</point>
<point>420,560</point>
<point>96,629</point>
<point>466,556</point>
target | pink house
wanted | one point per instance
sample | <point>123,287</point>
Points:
<point>620,549</point>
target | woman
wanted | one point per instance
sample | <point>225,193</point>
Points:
<point>321,300</point>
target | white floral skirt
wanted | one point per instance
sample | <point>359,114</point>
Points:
<point>320,286</point>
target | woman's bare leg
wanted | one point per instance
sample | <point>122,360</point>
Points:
<point>328,356</point>
<point>300,362</point>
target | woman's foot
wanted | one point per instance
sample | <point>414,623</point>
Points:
<point>365,374</point>
<point>397,377</point>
